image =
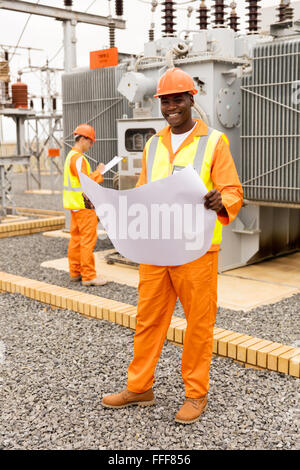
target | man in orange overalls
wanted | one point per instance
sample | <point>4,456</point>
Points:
<point>84,222</point>
<point>185,141</point>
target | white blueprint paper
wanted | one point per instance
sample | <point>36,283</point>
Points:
<point>163,223</point>
<point>112,163</point>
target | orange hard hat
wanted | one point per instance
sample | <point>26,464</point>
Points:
<point>86,131</point>
<point>175,81</point>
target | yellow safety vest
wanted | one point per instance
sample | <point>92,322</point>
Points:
<point>72,196</point>
<point>198,153</point>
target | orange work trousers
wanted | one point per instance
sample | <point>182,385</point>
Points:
<point>195,284</point>
<point>83,230</point>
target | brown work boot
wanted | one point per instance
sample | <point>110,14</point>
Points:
<point>127,398</point>
<point>94,282</point>
<point>191,410</point>
<point>75,278</point>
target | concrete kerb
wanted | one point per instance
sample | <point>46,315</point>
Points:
<point>247,350</point>
<point>51,220</point>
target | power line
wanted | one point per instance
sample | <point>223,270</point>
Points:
<point>20,37</point>
<point>56,54</point>
<point>90,6</point>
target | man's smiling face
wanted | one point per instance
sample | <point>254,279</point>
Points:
<point>176,109</point>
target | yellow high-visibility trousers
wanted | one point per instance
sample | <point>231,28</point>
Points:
<point>195,284</point>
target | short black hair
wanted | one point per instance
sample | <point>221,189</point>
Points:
<point>78,137</point>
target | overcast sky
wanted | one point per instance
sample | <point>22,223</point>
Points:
<point>46,33</point>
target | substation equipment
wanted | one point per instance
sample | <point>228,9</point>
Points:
<point>248,87</point>
<point>39,132</point>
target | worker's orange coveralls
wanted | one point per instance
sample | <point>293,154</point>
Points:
<point>194,283</point>
<point>83,230</point>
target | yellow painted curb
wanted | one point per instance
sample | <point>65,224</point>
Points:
<point>247,350</point>
<point>48,220</point>
<point>37,212</point>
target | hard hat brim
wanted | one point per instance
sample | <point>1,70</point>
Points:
<point>87,137</point>
<point>176,92</point>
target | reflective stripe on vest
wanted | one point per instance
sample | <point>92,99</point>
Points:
<point>199,153</point>
<point>72,196</point>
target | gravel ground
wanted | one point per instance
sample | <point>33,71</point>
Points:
<point>55,366</point>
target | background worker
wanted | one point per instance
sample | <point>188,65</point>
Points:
<point>84,222</point>
<point>185,141</point>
